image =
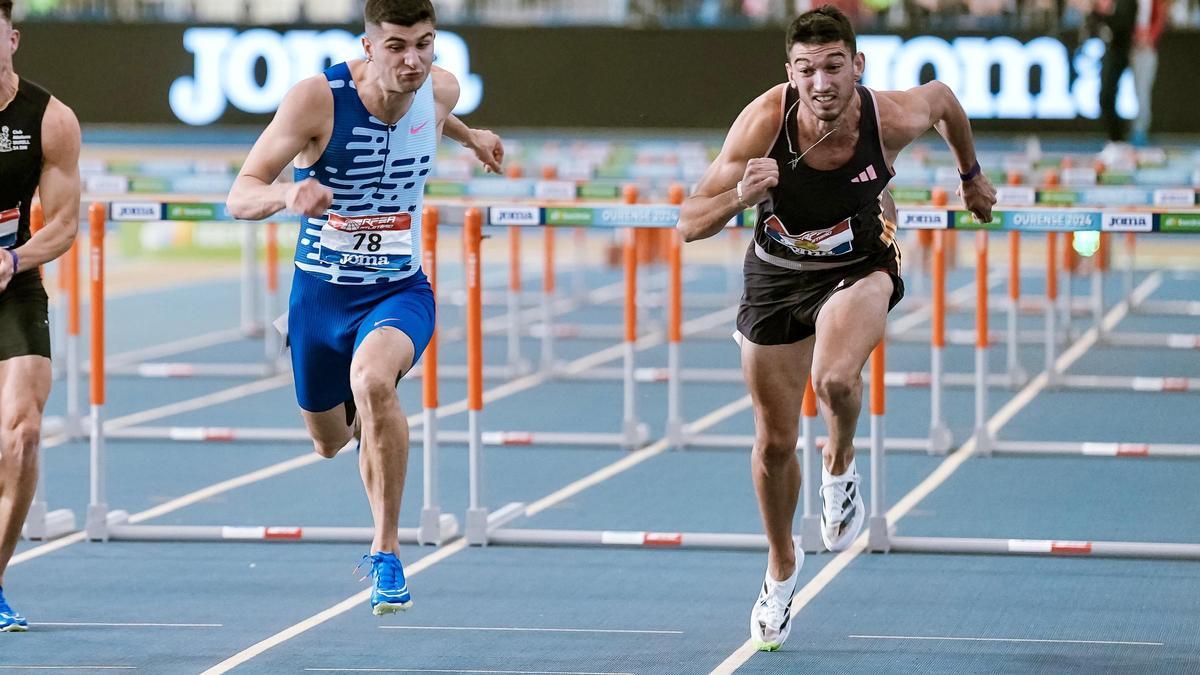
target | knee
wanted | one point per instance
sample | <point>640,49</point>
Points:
<point>775,449</point>
<point>328,449</point>
<point>21,437</point>
<point>837,389</point>
<point>371,388</point>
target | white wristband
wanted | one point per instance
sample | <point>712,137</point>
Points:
<point>740,198</point>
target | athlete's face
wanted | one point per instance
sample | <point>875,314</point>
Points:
<point>824,74</point>
<point>402,55</point>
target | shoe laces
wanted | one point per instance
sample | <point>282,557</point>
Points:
<point>385,570</point>
<point>835,493</point>
<point>773,606</point>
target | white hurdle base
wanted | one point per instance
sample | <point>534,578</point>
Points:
<point>525,438</point>
<point>1091,549</point>
<point>1151,340</point>
<point>1167,307</point>
<point>1093,449</point>
<point>746,442</point>
<point>209,434</point>
<point>1123,383</point>
<point>497,533</point>
<point>120,530</point>
<point>968,337</point>
<point>43,525</point>
<point>167,370</point>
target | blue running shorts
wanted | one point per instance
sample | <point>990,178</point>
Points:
<point>327,322</point>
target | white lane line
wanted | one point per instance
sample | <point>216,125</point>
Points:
<point>616,631</point>
<point>189,405</point>
<point>355,601</point>
<point>947,468</point>
<point>633,459</point>
<point>86,624</point>
<point>358,599</point>
<point>6,667</point>
<point>1015,640</point>
<point>173,347</point>
<point>467,672</point>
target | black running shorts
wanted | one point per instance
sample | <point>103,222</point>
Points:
<point>24,319</point>
<point>779,305</point>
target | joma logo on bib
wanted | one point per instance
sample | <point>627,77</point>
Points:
<point>366,260</point>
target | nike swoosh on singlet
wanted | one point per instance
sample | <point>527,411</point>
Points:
<point>417,129</point>
<point>384,321</point>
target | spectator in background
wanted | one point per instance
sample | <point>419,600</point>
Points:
<point>1151,20</point>
<point>1116,20</point>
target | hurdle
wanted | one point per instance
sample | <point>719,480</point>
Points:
<point>105,524</point>
<point>881,535</point>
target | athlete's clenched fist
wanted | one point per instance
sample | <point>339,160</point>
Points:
<point>762,174</point>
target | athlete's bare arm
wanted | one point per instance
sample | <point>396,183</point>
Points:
<point>485,144</point>
<point>302,121</point>
<point>58,190</point>
<point>905,115</point>
<point>743,158</point>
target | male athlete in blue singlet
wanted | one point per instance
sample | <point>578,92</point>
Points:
<point>815,156</point>
<point>39,152</point>
<point>362,138</point>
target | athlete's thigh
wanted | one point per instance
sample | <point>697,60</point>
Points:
<point>395,333</point>
<point>384,352</point>
<point>775,376</point>
<point>851,323</point>
<point>24,387</point>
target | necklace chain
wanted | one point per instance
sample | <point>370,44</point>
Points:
<point>787,128</point>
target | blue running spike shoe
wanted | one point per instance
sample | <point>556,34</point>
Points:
<point>391,592</point>
<point>10,621</point>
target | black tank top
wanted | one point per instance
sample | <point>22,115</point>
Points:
<point>20,168</point>
<point>816,219</point>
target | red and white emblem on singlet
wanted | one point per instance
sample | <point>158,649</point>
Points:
<point>10,223</point>
<point>836,240</point>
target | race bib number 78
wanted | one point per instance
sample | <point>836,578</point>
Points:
<point>381,242</point>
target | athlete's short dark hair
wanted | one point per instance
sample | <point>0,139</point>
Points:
<point>399,12</point>
<point>6,10</point>
<point>820,27</point>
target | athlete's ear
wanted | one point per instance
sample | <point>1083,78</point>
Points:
<point>367,49</point>
<point>860,65</point>
<point>787,68</point>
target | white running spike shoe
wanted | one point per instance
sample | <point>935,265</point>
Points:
<point>842,509</point>
<point>771,618</point>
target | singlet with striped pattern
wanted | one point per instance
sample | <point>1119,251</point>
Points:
<point>372,232</point>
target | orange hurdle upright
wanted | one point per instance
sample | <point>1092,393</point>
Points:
<point>630,426</point>
<point>97,515</point>
<point>548,363</point>
<point>1051,304</point>
<point>477,525</point>
<point>429,530</point>
<point>877,532</point>
<point>983,439</point>
<point>675,433</point>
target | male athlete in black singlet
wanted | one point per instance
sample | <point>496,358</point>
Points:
<point>39,152</point>
<point>815,155</point>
